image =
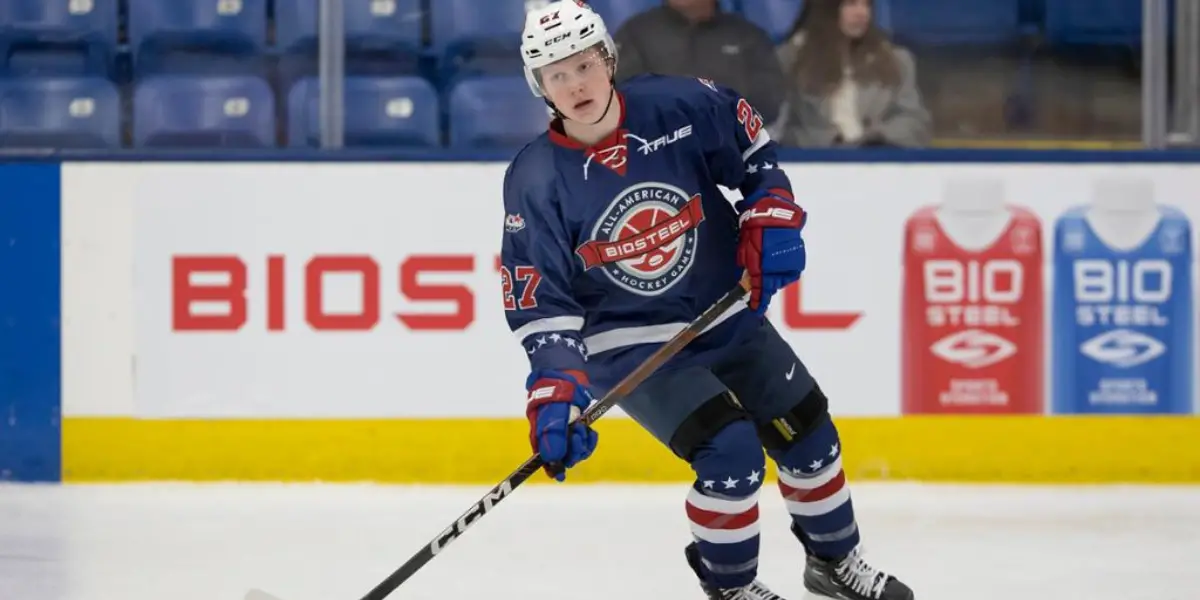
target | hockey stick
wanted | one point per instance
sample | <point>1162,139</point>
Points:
<point>501,491</point>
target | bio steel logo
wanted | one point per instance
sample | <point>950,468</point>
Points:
<point>973,294</point>
<point>216,293</point>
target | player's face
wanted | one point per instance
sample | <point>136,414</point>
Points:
<point>579,85</point>
<point>855,17</point>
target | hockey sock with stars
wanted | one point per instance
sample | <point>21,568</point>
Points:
<point>814,489</point>
<point>722,506</point>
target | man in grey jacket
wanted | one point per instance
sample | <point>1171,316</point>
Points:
<point>695,38</point>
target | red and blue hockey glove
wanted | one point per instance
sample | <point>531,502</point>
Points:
<point>556,399</point>
<point>770,248</point>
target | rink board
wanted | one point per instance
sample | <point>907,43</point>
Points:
<point>482,451</point>
<point>303,321</point>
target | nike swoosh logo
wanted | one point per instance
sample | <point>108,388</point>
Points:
<point>791,372</point>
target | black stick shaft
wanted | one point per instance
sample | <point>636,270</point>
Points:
<point>501,491</point>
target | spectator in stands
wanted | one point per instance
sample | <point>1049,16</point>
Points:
<point>850,86</point>
<point>695,38</point>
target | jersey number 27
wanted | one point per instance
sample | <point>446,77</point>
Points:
<point>526,274</point>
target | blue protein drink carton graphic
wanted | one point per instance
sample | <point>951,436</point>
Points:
<point>1122,309</point>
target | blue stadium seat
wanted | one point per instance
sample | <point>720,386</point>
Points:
<point>59,112</point>
<point>380,112</point>
<point>1094,22</point>
<point>297,39</point>
<point>495,112</point>
<point>38,37</point>
<point>946,22</point>
<point>476,38</point>
<point>381,37</point>
<point>197,36</point>
<point>393,26</point>
<point>466,21</point>
<point>297,26</point>
<point>181,111</point>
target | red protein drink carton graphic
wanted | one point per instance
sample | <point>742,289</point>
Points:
<point>973,312</point>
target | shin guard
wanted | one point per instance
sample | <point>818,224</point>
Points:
<point>722,505</point>
<point>814,488</point>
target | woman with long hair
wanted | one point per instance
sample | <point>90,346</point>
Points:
<point>849,84</point>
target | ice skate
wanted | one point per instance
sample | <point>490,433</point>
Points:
<point>851,578</point>
<point>755,591</point>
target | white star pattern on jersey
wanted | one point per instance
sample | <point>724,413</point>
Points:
<point>544,341</point>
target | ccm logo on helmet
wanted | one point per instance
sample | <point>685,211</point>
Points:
<point>557,39</point>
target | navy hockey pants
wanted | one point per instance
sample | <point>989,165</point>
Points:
<point>763,373</point>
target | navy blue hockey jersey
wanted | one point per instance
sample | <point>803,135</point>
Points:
<point>610,250</point>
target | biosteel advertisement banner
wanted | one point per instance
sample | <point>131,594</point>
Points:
<point>371,290</point>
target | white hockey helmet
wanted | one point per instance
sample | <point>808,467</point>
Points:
<point>558,30</point>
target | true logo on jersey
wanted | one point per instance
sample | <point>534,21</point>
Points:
<point>646,239</point>
<point>616,157</point>
<point>648,146</point>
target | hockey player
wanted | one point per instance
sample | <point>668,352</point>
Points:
<point>615,237</point>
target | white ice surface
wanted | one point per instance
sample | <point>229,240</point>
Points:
<point>575,542</point>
